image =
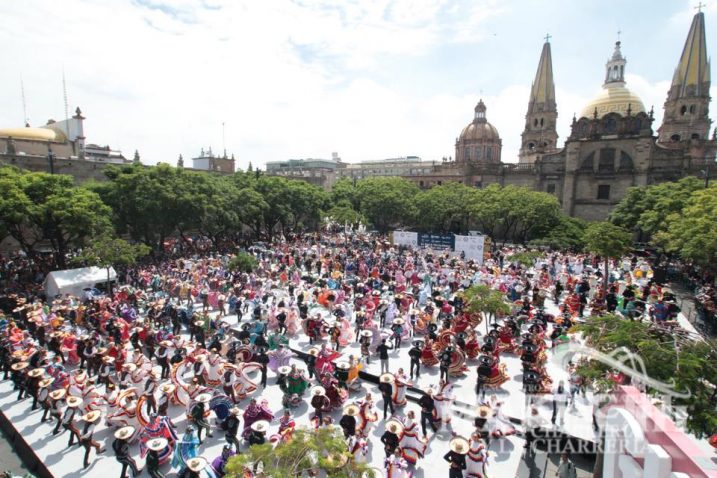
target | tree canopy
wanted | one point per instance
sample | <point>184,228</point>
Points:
<point>305,454</point>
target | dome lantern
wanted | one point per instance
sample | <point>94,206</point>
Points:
<point>480,112</point>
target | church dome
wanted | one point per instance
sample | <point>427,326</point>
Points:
<point>32,134</point>
<point>480,129</point>
<point>615,99</point>
<point>479,141</point>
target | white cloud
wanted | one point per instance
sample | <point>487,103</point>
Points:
<point>289,78</point>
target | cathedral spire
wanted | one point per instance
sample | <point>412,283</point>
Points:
<point>543,90</point>
<point>692,75</point>
<point>539,135</point>
<point>687,106</point>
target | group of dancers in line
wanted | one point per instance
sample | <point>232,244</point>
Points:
<point>125,359</point>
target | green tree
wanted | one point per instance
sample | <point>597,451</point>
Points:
<point>692,233</point>
<point>443,208</point>
<point>607,241</point>
<point>308,453</point>
<point>343,213</point>
<point>108,252</point>
<point>39,207</point>
<point>243,262</point>
<point>481,299</point>
<point>646,209</point>
<point>567,234</point>
<point>345,190</point>
<point>387,201</point>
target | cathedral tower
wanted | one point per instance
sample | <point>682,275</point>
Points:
<point>687,106</point>
<point>540,134</point>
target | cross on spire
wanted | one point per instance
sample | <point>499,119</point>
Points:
<point>619,32</point>
<point>547,38</point>
<point>700,6</point>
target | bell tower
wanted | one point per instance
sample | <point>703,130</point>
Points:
<point>687,106</point>
<point>540,135</point>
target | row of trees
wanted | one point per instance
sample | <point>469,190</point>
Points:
<point>150,205</point>
<point>679,218</point>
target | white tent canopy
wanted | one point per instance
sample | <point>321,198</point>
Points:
<point>72,281</point>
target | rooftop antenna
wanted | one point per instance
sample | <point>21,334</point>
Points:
<point>25,119</point>
<point>67,109</point>
<point>224,145</point>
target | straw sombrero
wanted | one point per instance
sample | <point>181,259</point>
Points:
<point>235,411</point>
<point>386,378</point>
<point>108,359</point>
<point>399,321</point>
<point>394,426</point>
<point>130,366</point>
<point>73,402</point>
<point>459,445</point>
<point>318,390</point>
<point>366,333</point>
<point>484,411</point>
<point>284,370</point>
<point>260,426</point>
<point>19,366</point>
<point>45,382</point>
<point>124,432</point>
<point>167,388</point>
<point>58,394</point>
<point>343,365</point>
<point>91,416</point>
<point>204,398</point>
<point>351,410</point>
<point>157,444</point>
<point>313,351</point>
<point>38,372</point>
<point>197,464</point>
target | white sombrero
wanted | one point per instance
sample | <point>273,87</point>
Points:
<point>459,445</point>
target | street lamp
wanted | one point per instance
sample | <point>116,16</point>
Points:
<point>51,158</point>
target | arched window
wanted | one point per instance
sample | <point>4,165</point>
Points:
<point>675,137</point>
<point>587,163</point>
<point>607,160</point>
<point>535,122</point>
<point>531,146</point>
<point>692,109</point>
<point>683,110</point>
<point>695,136</point>
<point>478,150</point>
<point>625,161</point>
<point>467,153</point>
<point>489,152</point>
<point>541,121</point>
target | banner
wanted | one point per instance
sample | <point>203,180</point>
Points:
<point>405,238</point>
<point>471,246</point>
<point>438,242</point>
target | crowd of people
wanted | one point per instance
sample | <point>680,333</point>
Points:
<point>188,334</point>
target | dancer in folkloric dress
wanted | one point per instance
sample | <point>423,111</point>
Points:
<point>412,446</point>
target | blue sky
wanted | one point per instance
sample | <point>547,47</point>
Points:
<point>368,79</point>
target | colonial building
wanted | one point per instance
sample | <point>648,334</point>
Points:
<point>57,147</point>
<point>612,144</point>
<point>208,161</point>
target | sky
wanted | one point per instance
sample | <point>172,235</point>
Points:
<point>271,80</point>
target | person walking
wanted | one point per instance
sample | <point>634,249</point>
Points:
<point>385,386</point>
<point>566,468</point>
<point>428,406</point>
<point>560,402</point>
<point>415,354</point>
<point>122,453</point>
<point>86,433</point>
<point>382,351</point>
